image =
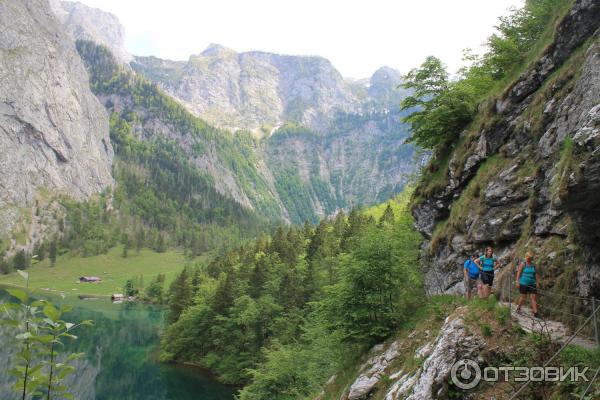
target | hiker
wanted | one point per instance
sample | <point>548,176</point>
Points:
<point>487,263</point>
<point>471,273</point>
<point>528,283</point>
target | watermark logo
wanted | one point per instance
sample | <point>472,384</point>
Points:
<point>466,374</point>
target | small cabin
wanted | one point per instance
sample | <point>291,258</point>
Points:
<point>117,297</point>
<point>90,279</point>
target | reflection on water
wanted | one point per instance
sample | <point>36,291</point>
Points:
<point>121,357</point>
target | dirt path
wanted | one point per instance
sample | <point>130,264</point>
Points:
<point>557,330</point>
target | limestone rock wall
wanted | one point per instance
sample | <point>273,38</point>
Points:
<point>53,130</point>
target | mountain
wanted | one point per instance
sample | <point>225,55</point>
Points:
<point>260,91</point>
<point>324,143</point>
<point>327,143</point>
<point>263,137</point>
<point>53,131</point>
<point>253,90</point>
<point>88,23</point>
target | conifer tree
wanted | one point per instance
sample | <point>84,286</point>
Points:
<point>179,296</point>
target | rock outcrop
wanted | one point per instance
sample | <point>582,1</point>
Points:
<point>381,373</point>
<point>527,178</point>
<point>53,130</point>
<point>88,23</point>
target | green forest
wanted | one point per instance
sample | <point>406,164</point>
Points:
<point>279,314</point>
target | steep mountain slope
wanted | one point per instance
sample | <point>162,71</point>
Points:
<point>327,143</point>
<point>88,23</point>
<point>526,174</point>
<point>364,160</point>
<point>53,131</point>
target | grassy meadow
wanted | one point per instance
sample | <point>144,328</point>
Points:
<point>111,267</point>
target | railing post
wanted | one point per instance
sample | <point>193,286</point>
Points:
<point>595,321</point>
<point>510,277</point>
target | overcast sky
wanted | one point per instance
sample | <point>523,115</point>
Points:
<point>357,36</point>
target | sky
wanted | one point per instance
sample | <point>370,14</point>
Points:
<point>357,36</point>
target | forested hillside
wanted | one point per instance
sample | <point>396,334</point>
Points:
<point>281,313</point>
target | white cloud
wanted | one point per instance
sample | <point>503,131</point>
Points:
<point>357,36</point>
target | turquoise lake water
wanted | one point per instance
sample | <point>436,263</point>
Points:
<point>121,357</point>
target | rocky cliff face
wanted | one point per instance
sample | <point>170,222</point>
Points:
<point>88,23</point>
<point>528,176</point>
<point>53,131</point>
<point>364,162</point>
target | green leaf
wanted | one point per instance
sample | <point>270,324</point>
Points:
<point>24,274</point>
<point>69,336</point>
<point>24,336</point>
<point>51,312</point>
<point>19,294</point>
<point>63,373</point>
<point>45,338</point>
<point>75,356</point>
<point>66,308</point>
<point>69,325</point>
<point>35,369</point>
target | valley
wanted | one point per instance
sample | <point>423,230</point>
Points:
<point>280,231</point>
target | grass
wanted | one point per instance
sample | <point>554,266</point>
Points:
<point>111,267</point>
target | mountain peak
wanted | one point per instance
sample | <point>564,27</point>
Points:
<point>386,73</point>
<point>214,49</point>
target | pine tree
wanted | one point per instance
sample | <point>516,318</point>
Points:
<point>21,260</point>
<point>195,281</point>
<point>126,245</point>
<point>139,240</point>
<point>388,217</point>
<point>224,295</point>
<point>161,245</point>
<point>179,296</point>
<point>129,289</point>
<point>52,252</point>
<point>4,265</point>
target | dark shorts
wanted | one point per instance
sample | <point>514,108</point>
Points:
<point>487,278</point>
<point>471,284</point>
<point>525,289</point>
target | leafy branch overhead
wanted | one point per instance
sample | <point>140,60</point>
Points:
<point>444,107</point>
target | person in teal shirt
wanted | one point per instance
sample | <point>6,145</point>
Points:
<point>471,273</point>
<point>487,263</point>
<point>528,283</point>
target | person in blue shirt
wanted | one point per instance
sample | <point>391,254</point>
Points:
<point>528,283</point>
<point>488,264</point>
<point>471,273</point>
